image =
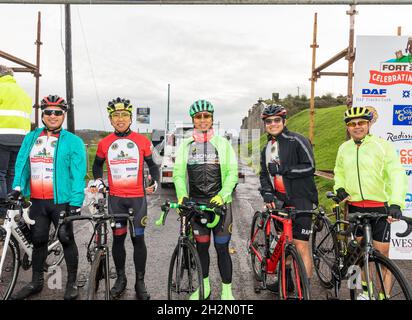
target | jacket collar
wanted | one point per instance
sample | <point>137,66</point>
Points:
<point>7,78</point>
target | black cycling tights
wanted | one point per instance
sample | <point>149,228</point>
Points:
<point>223,259</point>
<point>44,212</point>
<point>139,255</point>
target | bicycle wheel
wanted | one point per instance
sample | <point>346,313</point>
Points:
<point>293,281</point>
<point>11,265</point>
<point>324,250</point>
<point>258,242</point>
<point>55,253</point>
<point>185,273</point>
<point>96,274</point>
<point>386,281</point>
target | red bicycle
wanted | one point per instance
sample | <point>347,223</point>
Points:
<point>272,252</point>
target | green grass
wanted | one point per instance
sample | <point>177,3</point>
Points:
<point>330,133</point>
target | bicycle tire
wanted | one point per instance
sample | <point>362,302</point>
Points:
<point>296,287</point>
<point>11,267</point>
<point>95,274</point>
<point>185,261</point>
<point>258,241</point>
<point>324,250</point>
<point>403,290</point>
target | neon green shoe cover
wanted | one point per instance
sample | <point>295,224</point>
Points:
<point>227,292</point>
<point>206,290</point>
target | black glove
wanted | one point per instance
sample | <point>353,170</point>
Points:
<point>268,197</point>
<point>14,195</point>
<point>341,194</point>
<point>273,168</point>
<point>395,211</point>
<point>73,211</point>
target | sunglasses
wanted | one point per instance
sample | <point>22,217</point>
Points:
<point>199,116</point>
<point>270,121</point>
<point>353,124</point>
<point>118,115</point>
<point>53,111</point>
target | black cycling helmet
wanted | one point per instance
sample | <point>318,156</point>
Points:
<point>274,110</point>
<point>54,100</point>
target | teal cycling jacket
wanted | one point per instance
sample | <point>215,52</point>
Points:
<point>69,164</point>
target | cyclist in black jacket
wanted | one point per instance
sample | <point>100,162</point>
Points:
<point>287,176</point>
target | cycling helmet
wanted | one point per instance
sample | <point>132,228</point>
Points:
<point>119,104</point>
<point>357,112</point>
<point>54,100</point>
<point>199,106</point>
<point>274,110</point>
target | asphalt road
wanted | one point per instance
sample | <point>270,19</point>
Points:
<point>161,242</point>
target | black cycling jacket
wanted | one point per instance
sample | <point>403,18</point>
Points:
<point>297,166</point>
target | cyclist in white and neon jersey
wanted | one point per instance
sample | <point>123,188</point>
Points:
<point>369,175</point>
<point>50,168</point>
<point>209,163</point>
<point>125,152</point>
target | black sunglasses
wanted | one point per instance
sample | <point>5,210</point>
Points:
<point>55,112</point>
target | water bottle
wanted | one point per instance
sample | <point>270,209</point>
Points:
<point>24,228</point>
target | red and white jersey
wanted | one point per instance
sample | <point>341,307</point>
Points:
<point>41,166</point>
<point>124,159</point>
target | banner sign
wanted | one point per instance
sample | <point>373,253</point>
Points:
<point>143,115</point>
<point>383,83</point>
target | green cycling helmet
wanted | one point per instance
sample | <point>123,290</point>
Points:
<point>357,112</point>
<point>199,106</point>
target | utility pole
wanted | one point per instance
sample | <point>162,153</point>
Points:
<point>168,106</point>
<point>69,71</point>
<point>298,91</point>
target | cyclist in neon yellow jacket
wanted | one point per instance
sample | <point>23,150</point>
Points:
<point>210,165</point>
<point>369,175</point>
<point>15,109</point>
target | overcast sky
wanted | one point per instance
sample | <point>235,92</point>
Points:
<point>229,55</point>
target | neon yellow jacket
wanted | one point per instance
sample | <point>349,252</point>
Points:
<point>15,109</point>
<point>371,171</point>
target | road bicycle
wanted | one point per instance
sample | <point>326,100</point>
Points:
<point>98,253</point>
<point>272,252</point>
<point>185,270</point>
<point>337,257</point>
<point>15,239</point>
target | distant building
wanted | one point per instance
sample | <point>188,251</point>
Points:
<point>253,121</point>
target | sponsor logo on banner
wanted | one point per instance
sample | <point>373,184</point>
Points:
<point>401,136</point>
<point>405,156</point>
<point>408,201</point>
<point>373,95</point>
<point>408,172</point>
<point>406,94</point>
<point>402,115</point>
<point>378,93</point>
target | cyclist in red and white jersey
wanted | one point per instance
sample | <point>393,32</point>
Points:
<point>125,152</point>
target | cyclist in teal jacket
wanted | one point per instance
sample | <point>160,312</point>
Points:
<point>50,169</point>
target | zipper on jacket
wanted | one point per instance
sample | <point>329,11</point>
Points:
<point>204,163</point>
<point>357,166</point>
<point>55,167</point>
